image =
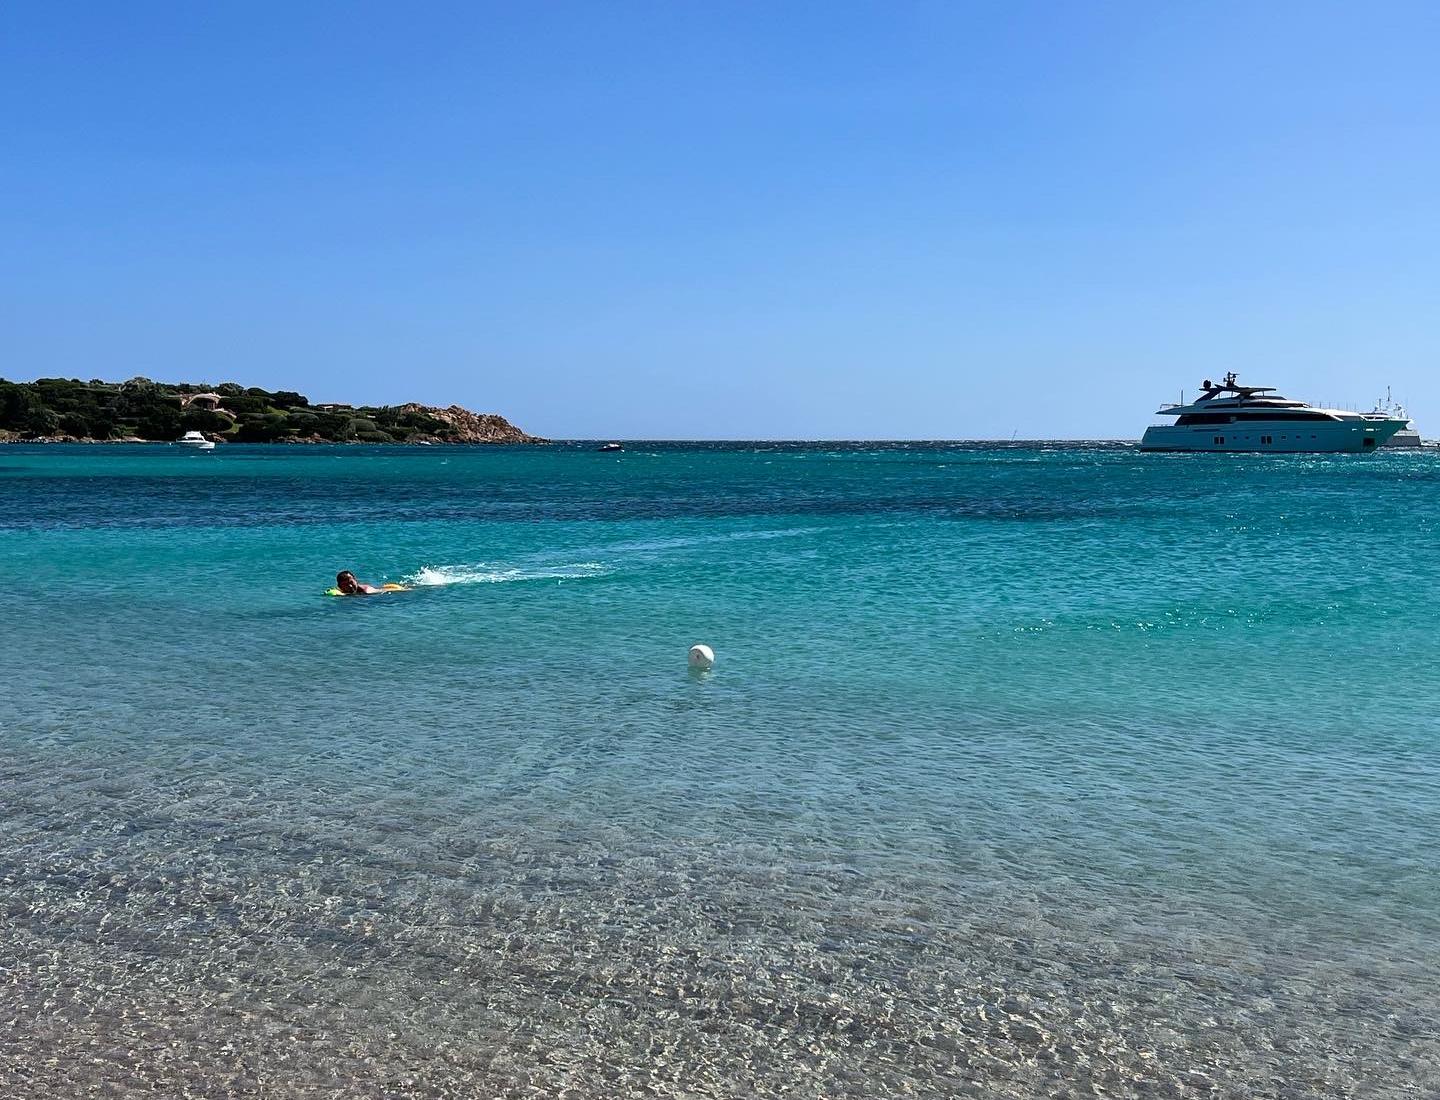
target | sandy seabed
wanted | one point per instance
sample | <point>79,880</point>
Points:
<point>190,952</point>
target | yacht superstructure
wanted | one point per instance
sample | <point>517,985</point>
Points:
<point>1230,417</point>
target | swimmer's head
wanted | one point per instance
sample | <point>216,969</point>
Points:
<point>346,582</point>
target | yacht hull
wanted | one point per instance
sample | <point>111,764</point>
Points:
<point>1282,437</point>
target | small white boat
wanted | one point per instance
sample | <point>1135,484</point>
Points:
<point>611,447</point>
<point>195,441</point>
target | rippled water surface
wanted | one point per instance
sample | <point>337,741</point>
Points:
<point>1023,771</point>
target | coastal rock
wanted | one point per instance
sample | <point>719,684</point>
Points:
<point>470,427</point>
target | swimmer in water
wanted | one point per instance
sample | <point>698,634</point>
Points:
<point>349,586</point>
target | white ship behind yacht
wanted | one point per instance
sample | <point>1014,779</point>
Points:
<point>1390,410</point>
<point>1231,417</point>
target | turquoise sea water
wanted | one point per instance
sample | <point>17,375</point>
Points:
<point>1023,770</point>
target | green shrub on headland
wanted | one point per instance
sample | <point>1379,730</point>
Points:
<point>61,408</point>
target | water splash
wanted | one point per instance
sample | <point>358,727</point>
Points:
<point>430,576</point>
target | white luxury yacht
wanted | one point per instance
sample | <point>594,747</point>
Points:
<point>1231,417</point>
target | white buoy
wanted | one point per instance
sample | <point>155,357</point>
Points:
<point>701,656</point>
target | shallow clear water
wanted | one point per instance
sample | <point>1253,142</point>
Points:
<point>1023,771</point>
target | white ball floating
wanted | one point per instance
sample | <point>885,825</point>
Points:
<point>701,657</point>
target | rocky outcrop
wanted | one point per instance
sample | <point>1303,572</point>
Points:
<point>464,426</point>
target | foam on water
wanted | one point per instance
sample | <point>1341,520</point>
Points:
<point>487,573</point>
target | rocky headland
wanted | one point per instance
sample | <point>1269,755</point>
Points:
<point>59,410</point>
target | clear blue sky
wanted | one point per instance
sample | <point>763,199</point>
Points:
<point>729,220</point>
